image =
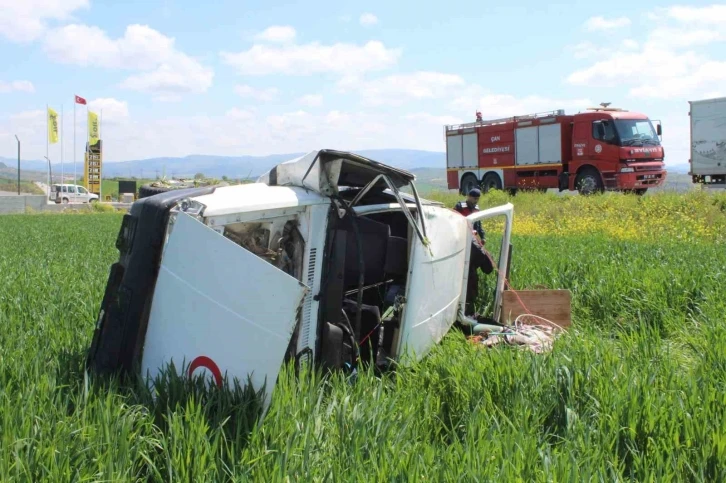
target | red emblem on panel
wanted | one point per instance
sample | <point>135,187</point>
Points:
<point>206,362</point>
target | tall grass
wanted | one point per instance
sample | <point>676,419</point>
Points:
<point>696,215</point>
<point>637,390</point>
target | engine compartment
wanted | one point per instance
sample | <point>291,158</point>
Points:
<point>278,241</point>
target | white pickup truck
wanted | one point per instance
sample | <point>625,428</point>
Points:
<point>708,142</point>
<point>323,259</point>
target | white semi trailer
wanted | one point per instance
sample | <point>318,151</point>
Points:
<point>708,142</point>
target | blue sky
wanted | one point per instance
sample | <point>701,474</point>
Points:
<point>178,77</point>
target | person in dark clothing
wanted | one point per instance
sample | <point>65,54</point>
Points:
<point>469,206</point>
<point>478,259</point>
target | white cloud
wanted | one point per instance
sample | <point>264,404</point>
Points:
<point>713,14</point>
<point>630,44</point>
<point>177,76</point>
<point>368,19</point>
<point>600,23</point>
<point>267,94</point>
<point>708,75</point>
<point>277,33</point>
<point>678,60</point>
<point>16,86</point>
<point>683,37</point>
<point>494,106</point>
<point>686,26</point>
<point>268,132</point>
<point>111,109</point>
<point>141,47</point>
<point>432,119</point>
<point>649,64</point>
<point>237,113</point>
<point>26,20</point>
<point>35,114</point>
<point>311,100</point>
<point>292,131</point>
<point>399,88</point>
<point>664,66</point>
<point>166,71</point>
<point>586,50</point>
<point>168,97</point>
<point>30,126</point>
<point>312,58</point>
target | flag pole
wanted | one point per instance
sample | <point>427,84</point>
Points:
<point>88,148</point>
<point>75,179</point>
<point>100,157</point>
<point>61,136</point>
<point>47,143</point>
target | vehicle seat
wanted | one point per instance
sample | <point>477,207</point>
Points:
<point>370,321</point>
<point>374,243</point>
<point>396,257</point>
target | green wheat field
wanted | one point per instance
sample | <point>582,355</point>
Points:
<point>636,390</point>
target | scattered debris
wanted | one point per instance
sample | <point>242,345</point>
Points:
<point>538,338</point>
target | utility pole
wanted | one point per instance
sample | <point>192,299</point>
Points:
<point>16,137</point>
<point>50,175</point>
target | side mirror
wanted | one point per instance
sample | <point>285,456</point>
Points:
<point>659,129</point>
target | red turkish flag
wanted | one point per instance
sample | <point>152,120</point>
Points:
<point>80,100</point>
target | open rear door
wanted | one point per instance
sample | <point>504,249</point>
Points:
<point>220,309</point>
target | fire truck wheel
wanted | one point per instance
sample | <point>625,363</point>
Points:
<point>641,191</point>
<point>491,182</point>
<point>468,183</point>
<point>588,182</point>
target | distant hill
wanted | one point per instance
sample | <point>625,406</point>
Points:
<point>235,166</point>
<point>681,168</point>
<point>429,167</point>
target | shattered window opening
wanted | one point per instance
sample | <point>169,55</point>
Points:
<point>420,230</point>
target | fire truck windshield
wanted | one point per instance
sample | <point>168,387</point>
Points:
<point>636,132</point>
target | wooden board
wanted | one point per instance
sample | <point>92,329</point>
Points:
<point>553,305</point>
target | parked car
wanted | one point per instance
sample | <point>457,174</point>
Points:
<point>71,193</point>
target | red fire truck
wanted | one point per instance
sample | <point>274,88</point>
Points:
<point>600,149</point>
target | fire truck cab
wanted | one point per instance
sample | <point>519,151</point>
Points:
<point>600,149</point>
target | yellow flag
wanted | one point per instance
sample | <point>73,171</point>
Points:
<point>92,128</point>
<point>52,126</point>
